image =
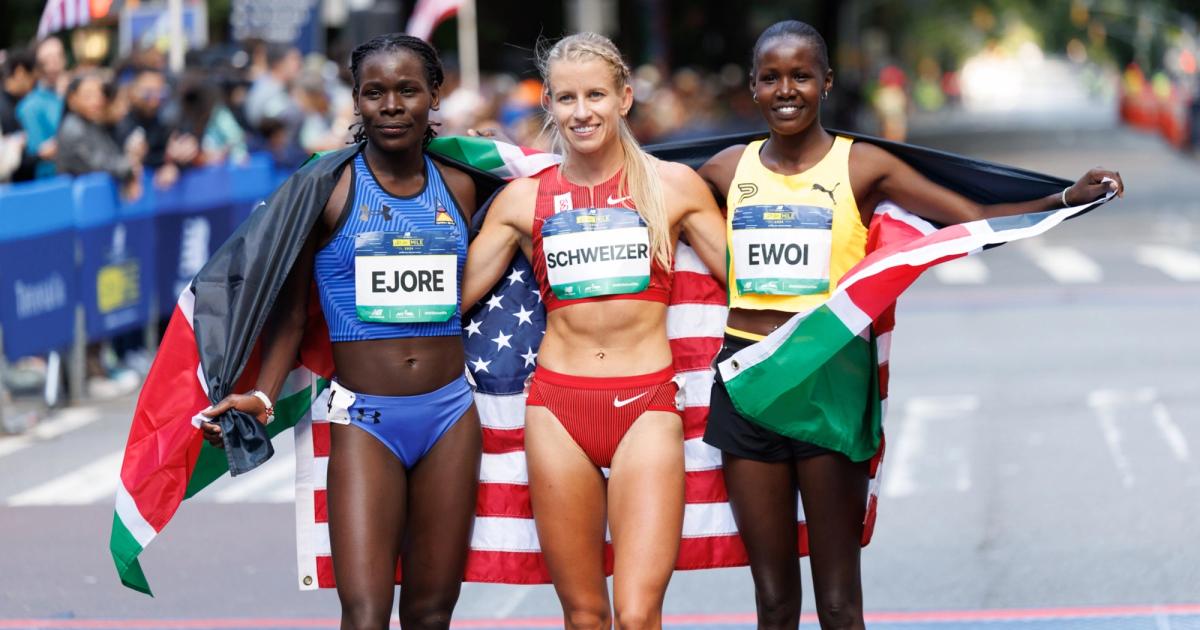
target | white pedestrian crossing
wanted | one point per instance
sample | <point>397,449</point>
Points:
<point>1065,264</point>
<point>1178,263</point>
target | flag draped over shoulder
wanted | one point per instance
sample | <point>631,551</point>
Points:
<point>209,351</point>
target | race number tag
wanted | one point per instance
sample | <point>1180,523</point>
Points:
<point>596,251</point>
<point>405,277</point>
<point>782,249</point>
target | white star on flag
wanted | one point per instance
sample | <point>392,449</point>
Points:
<point>516,276</point>
<point>502,340</point>
<point>530,357</point>
<point>473,328</point>
<point>494,302</point>
<point>523,316</point>
<point>479,365</point>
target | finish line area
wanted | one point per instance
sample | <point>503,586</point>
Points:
<point>1165,617</point>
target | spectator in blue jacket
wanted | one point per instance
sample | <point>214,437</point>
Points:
<point>41,110</point>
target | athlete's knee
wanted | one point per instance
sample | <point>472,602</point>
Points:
<point>586,617</point>
<point>777,607</point>
<point>429,614</point>
<point>364,614</point>
<point>839,612</point>
<point>638,616</point>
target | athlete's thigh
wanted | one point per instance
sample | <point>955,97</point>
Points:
<point>763,498</point>
<point>442,492</point>
<point>567,492</point>
<point>366,491</point>
<point>834,491</point>
<point>645,505</point>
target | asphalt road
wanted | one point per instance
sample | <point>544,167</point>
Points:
<point>1042,467</point>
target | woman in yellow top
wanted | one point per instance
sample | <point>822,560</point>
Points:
<point>797,208</point>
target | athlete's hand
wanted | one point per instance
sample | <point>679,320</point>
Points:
<point>489,132</point>
<point>1092,186</point>
<point>242,402</point>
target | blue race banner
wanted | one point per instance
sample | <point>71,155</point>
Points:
<point>194,217</point>
<point>38,288</point>
<point>116,273</point>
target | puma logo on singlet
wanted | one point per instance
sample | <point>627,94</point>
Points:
<point>618,403</point>
<point>365,213</point>
<point>748,190</point>
<point>827,191</point>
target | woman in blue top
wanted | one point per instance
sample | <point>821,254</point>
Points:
<point>387,254</point>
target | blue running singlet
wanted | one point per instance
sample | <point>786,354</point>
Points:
<point>394,266</point>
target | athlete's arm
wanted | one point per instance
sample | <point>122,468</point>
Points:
<point>508,219</point>
<point>285,325</point>
<point>701,221</point>
<point>281,337</point>
<point>719,170</point>
<point>876,175</point>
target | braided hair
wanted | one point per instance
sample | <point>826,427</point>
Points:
<point>797,29</point>
<point>434,75</point>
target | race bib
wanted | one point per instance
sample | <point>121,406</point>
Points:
<point>405,277</point>
<point>596,251</point>
<point>782,249</point>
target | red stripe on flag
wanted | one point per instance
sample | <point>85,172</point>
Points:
<point>705,486</point>
<point>711,552</point>
<point>320,438</point>
<point>504,566</point>
<point>503,499</point>
<point>689,287</point>
<point>694,353</point>
<point>163,444</point>
<point>325,572</point>
<point>498,441</point>
<point>695,419</point>
<point>320,506</point>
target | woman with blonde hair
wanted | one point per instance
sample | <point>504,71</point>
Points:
<point>603,430</point>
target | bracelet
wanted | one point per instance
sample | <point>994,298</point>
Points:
<point>1063,196</point>
<point>266,400</point>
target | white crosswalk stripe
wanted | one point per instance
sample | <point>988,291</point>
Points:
<point>96,481</point>
<point>966,270</point>
<point>1065,264</point>
<point>1180,264</point>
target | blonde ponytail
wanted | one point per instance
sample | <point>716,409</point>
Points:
<point>639,170</point>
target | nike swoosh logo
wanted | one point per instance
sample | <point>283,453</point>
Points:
<point>617,200</point>
<point>618,403</point>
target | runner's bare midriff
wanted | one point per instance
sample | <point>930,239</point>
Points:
<point>762,322</point>
<point>610,338</point>
<point>398,367</point>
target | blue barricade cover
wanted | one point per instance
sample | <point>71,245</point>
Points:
<point>38,286</point>
<point>95,200</point>
<point>254,180</point>
<point>116,271</point>
<point>38,207</point>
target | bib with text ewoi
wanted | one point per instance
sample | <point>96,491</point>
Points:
<point>782,249</point>
<point>405,277</point>
<point>596,251</point>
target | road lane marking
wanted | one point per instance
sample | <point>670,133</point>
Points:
<point>1104,403</point>
<point>62,423</point>
<point>1179,263</point>
<point>1065,264</point>
<point>269,479</point>
<point>89,484</point>
<point>907,449</point>
<point>965,270</point>
<point>1171,432</point>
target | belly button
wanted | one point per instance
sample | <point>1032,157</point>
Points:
<point>599,355</point>
<point>411,362</point>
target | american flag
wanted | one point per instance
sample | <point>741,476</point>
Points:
<point>60,15</point>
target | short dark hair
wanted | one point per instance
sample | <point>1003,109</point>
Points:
<point>277,53</point>
<point>792,28</point>
<point>18,59</point>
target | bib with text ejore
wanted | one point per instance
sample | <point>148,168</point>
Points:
<point>782,249</point>
<point>405,277</point>
<point>596,251</point>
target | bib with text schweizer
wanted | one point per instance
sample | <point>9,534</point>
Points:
<point>782,249</point>
<point>405,277</point>
<point>596,251</point>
